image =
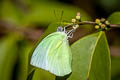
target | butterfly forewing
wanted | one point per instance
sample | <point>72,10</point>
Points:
<point>53,54</point>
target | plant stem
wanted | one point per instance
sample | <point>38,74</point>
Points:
<point>92,23</point>
<point>115,25</point>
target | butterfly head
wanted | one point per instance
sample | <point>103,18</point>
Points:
<point>69,33</point>
<point>60,29</point>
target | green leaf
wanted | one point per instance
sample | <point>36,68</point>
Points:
<point>91,58</point>
<point>22,60</point>
<point>115,65</point>
<point>30,76</point>
<point>41,74</point>
<point>8,49</point>
<point>114,18</point>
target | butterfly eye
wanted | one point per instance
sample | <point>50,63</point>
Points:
<point>59,29</point>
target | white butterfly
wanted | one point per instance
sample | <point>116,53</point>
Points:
<point>53,53</point>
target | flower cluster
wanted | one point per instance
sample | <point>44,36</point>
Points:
<point>102,24</point>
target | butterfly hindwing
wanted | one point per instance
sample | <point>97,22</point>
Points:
<point>53,54</point>
<point>59,60</point>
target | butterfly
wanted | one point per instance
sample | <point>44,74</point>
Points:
<point>53,53</point>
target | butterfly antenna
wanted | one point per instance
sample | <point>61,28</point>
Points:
<point>61,15</point>
<point>55,15</point>
<point>60,21</point>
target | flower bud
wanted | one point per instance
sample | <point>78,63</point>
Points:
<point>102,19</point>
<point>97,26</point>
<point>78,17</point>
<point>103,26</point>
<point>107,22</point>
<point>97,21</point>
<point>73,20</point>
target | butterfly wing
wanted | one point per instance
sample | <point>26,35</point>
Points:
<point>39,57</point>
<point>53,54</point>
<point>59,59</point>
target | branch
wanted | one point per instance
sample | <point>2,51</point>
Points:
<point>94,23</point>
<point>69,25</point>
<point>115,25</point>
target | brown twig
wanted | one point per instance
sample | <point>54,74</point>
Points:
<point>91,23</point>
<point>94,23</point>
<point>86,22</point>
<point>115,25</point>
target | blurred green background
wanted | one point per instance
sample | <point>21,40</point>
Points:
<point>22,22</point>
